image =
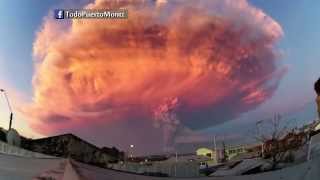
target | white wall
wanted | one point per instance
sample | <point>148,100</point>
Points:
<point>17,151</point>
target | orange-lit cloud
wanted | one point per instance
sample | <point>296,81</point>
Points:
<point>102,79</point>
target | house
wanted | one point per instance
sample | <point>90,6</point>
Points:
<point>206,152</point>
<point>233,151</point>
<point>292,141</point>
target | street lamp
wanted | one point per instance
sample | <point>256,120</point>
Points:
<point>9,106</point>
<point>131,150</point>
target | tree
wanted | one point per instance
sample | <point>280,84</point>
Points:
<point>277,140</point>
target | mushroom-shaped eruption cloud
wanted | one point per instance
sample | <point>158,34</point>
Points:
<point>103,79</point>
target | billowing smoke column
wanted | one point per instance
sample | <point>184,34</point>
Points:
<point>104,79</point>
<point>166,118</point>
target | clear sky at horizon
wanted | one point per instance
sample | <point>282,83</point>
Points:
<point>20,20</point>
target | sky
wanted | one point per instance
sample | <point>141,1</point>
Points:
<point>21,21</point>
<point>300,55</point>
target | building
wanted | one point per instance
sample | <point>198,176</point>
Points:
<point>205,152</point>
<point>291,141</point>
<point>233,151</point>
<point>213,155</point>
<point>221,155</point>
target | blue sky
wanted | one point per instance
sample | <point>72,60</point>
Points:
<point>19,23</point>
<point>20,20</point>
<point>301,34</point>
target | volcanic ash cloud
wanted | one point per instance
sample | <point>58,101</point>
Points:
<point>103,79</point>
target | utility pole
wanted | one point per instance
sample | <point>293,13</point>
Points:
<point>214,143</point>
<point>9,106</point>
<point>175,165</point>
<point>215,149</point>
